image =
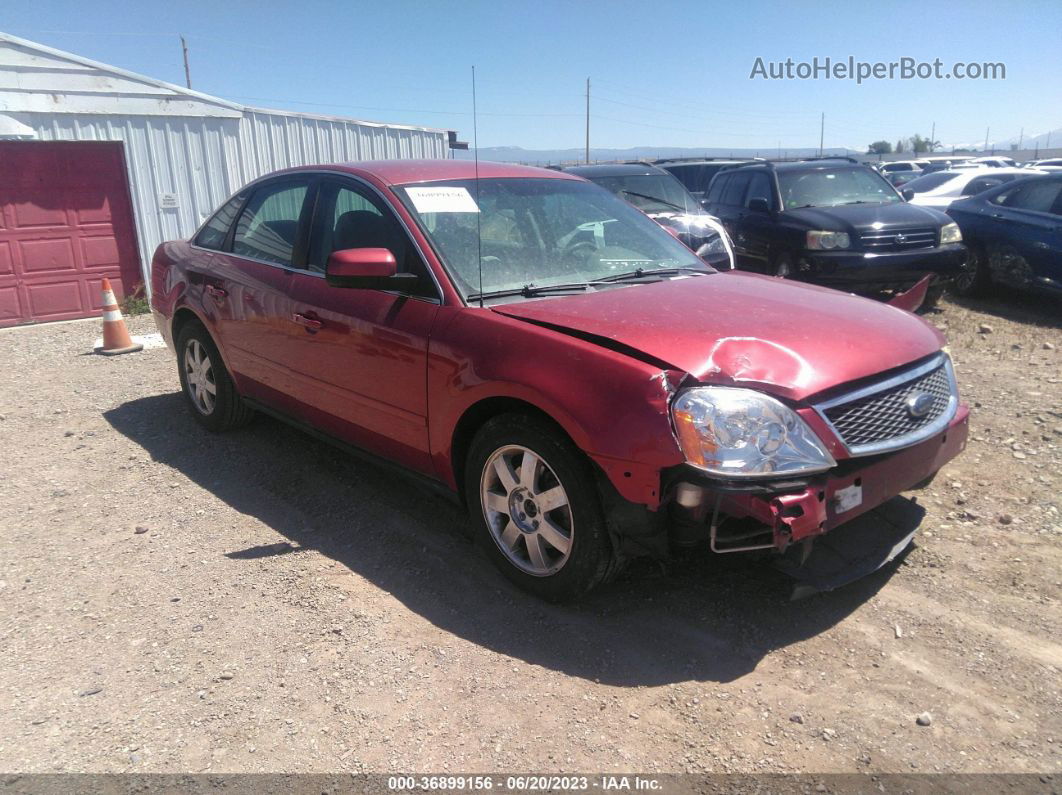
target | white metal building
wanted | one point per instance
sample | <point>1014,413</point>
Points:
<point>66,222</point>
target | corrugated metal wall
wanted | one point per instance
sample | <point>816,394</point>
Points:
<point>197,162</point>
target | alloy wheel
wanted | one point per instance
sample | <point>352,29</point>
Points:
<point>199,377</point>
<point>527,510</point>
<point>966,277</point>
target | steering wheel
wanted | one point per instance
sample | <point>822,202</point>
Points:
<point>577,253</point>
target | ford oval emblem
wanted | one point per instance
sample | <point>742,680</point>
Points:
<point>919,404</point>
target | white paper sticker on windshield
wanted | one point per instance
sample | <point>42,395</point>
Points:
<point>442,200</point>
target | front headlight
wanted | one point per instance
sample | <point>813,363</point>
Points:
<point>743,433</point>
<point>949,233</point>
<point>821,239</point>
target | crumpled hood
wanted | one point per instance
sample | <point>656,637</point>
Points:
<point>744,329</point>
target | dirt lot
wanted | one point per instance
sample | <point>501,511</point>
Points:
<point>174,601</point>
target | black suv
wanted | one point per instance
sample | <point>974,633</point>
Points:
<point>835,223</point>
<point>696,173</point>
<point>664,199</point>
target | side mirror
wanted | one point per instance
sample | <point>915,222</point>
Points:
<point>759,206</point>
<point>907,194</point>
<point>366,269</point>
<point>705,203</point>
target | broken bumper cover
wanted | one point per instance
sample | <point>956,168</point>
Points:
<point>817,505</point>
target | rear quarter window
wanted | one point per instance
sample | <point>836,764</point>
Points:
<point>216,230</point>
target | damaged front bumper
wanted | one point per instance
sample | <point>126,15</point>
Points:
<point>737,517</point>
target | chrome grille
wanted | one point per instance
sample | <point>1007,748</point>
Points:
<point>877,418</point>
<point>899,239</point>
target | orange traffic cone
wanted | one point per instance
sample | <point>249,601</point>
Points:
<point>116,337</point>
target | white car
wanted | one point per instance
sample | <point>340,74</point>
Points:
<point>1051,164</point>
<point>995,162</point>
<point>941,188</point>
<point>901,165</point>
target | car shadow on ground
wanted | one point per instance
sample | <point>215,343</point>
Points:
<point>707,618</point>
<point>1028,307</point>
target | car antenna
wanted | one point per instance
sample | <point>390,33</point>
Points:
<point>475,154</point>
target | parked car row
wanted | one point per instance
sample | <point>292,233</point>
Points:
<point>583,382</point>
<point>834,222</point>
<point>808,220</point>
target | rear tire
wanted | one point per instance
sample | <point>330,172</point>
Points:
<point>976,278</point>
<point>544,528</point>
<point>208,389</point>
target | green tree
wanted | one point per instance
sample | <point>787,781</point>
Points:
<point>901,147</point>
<point>879,148</point>
<point>920,144</point>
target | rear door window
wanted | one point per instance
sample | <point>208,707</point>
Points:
<point>1038,196</point>
<point>715,191</point>
<point>269,225</point>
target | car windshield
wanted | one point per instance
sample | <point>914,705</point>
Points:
<point>651,193</point>
<point>822,187</point>
<point>539,232</point>
<point>930,181</point>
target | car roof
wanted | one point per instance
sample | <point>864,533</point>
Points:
<point>401,172</point>
<point>706,161</point>
<point>615,170</point>
<point>801,165</point>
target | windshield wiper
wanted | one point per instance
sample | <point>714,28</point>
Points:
<point>649,273</point>
<point>656,199</point>
<point>531,290</point>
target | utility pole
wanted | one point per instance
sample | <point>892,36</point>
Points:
<point>1021,137</point>
<point>986,137</point>
<point>588,121</point>
<point>187,73</point>
<point>822,131</point>
<point>933,138</point>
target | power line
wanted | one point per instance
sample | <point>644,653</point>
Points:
<point>401,110</point>
<point>707,111</point>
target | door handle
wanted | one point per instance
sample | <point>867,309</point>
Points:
<point>308,322</point>
<point>215,292</point>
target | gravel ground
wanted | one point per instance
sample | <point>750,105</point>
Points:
<point>172,601</point>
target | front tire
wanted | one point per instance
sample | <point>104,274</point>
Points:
<point>933,296</point>
<point>976,278</point>
<point>782,265</point>
<point>208,389</point>
<point>535,508</point>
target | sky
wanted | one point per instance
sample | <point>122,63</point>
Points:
<point>663,73</point>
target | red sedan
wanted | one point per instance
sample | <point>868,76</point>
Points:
<point>538,347</point>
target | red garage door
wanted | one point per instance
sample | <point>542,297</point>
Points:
<point>65,223</point>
